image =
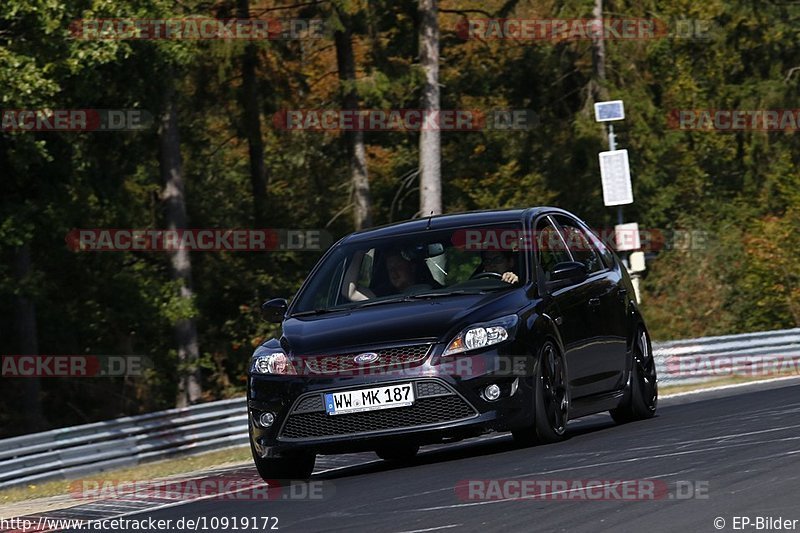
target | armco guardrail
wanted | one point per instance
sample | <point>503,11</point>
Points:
<point>750,354</point>
<point>82,450</point>
<point>88,449</point>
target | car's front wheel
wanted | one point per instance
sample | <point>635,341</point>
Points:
<point>642,397</point>
<point>297,466</point>
<point>551,404</point>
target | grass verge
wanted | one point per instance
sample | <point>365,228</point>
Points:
<point>729,380</point>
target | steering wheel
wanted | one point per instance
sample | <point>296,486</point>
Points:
<point>483,275</point>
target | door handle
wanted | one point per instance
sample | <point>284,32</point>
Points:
<point>623,292</point>
<point>594,302</point>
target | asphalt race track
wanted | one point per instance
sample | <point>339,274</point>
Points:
<point>739,447</point>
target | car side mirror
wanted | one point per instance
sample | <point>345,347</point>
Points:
<point>568,273</point>
<point>274,310</point>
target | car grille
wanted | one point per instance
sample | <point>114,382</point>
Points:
<point>431,388</point>
<point>436,403</point>
<point>312,403</point>
<point>399,357</point>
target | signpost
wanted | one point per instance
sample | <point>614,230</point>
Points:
<point>626,237</point>
<point>608,111</point>
<point>615,175</point>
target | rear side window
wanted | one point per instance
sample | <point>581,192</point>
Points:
<point>579,243</point>
<point>606,254</point>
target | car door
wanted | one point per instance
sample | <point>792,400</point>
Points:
<point>602,363</point>
<point>618,301</point>
<point>566,305</point>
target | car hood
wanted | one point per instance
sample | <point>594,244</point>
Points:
<point>429,320</point>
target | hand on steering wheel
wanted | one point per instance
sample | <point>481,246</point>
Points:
<point>508,277</point>
<point>483,275</point>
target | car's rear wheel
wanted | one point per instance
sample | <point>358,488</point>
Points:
<point>296,466</point>
<point>642,398</point>
<point>397,452</point>
<point>551,404</point>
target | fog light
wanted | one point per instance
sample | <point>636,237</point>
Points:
<point>266,420</point>
<point>492,392</point>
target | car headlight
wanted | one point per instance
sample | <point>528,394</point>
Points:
<point>482,335</point>
<point>271,362</point>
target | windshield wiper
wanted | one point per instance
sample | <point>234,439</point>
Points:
<point>459,292</point>
<point>366,303</point>
<point>317,312</point>
<point>370,303</point>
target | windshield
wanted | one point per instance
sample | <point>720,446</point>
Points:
<point>429,264</point>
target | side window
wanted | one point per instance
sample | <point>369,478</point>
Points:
<point>606,254</point>
<point>579,244</point>
<point>550,247</point>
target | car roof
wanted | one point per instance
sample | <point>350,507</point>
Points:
<point>450,221</point>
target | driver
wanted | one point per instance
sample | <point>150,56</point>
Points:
<point>502,263</point>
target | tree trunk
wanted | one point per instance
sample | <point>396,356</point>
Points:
<point>430,164</point>
<point>30,414</point>
<point>252,125</point>
<point>599,92</point>
<point>345,61</point>
<point>189,389</point>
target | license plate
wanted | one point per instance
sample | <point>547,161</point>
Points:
<point>355,401</point>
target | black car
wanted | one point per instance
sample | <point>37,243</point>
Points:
<point>442,328</point>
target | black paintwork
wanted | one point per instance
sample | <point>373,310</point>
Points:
<point>591,319</point>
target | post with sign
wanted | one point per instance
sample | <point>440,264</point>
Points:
<point>615,175</point>
<point>636,269</point>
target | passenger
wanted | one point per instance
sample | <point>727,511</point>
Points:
<point>400,275</point>
<point>402,272</point>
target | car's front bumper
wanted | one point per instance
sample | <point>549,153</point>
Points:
<point>449,404</point>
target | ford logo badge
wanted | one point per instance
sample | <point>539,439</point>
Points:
<point>366,358</point>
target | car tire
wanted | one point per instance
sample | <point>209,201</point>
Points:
<point>551,401</point>
<point>285,468</point>
<point>397,453</point>
<point>641,399</point>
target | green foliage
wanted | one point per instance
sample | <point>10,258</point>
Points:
<point>743,188</point>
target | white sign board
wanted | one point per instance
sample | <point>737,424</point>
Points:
<point>608,111</point>
<point>637,262</point>
<point>615,173</point>
<point>627,237</point>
